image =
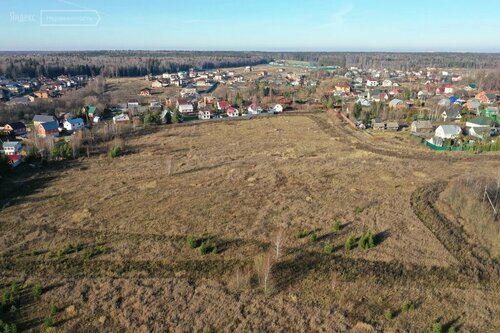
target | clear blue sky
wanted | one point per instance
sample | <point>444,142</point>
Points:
<point>269,25</point>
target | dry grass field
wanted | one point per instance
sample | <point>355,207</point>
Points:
<point>236,185</point>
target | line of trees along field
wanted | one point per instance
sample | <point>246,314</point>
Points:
<point>139,63</point>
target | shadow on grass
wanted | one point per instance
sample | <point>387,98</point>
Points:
<point>288,272</point>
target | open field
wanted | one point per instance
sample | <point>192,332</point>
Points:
<point>236,184</point>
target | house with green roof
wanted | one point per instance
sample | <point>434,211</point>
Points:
<point>490,112</point>
<point>480,121</point>
<point>91,110</point>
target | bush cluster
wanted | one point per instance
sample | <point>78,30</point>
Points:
<point>349,243</point>
<point>204,247</point>
<point>367,241</point>
<point>115,152</point>
<point>304,233</point>
<point>63,150</point>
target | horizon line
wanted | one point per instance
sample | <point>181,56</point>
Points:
<point>255,51</point>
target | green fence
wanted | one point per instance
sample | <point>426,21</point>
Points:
<point>451,148</point>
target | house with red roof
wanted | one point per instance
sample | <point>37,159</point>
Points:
<point>233,112</point>
<point>222,105</point>
<point>254,108</point>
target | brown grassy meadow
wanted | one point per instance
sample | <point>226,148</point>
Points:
<point>234,185</point>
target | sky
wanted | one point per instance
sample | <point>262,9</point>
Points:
<point>257,25</point>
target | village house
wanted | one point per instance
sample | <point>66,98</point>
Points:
<point>40,119</point>
<point>46,129</point>
<point>133,104</point>
<point>343,88</point>
<point>121,119</point>
<point>11,148</point>
<point>204,114</point>
<point>387,83</point>
<point>473,104</point>
<point>378,124</point>
<point>15,129</point>
<point>444,132</point>
<point>449,89</point>
<point>233,112</point>
<point>451,115</point>
<point>145,92</point>
<point>254,108</point>
<point>397,104</point>
<point>371,83</point>
<point>480,121</point>
<point>73,124</point>
<point>91,111</point>
<point>222,105</point>
<point>392,126</point>
<point>43,94</point>
<point>156,84</point>
<point>481,133</point>
<point>278,108</point>
<point>421,126</point>
<point>185,108</point>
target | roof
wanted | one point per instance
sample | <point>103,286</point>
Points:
<point>485,121</point>
<point>452,113</point>
<point>421,124</point>
<point>75,120</point>
<point>50,125</point>
<point>450,129</point>
<point>42,118</point>
<point>10,144</point>
<point>395,102</point>
<point>17,125</point>
<point>91,109</point>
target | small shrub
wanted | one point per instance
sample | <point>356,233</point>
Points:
<point>328,249</point>
<point>337,226</point>
<point>367,241</point>
<point>409,306</point>
<point>452,329</point>
<point>358,210</point>
<point>14,288</point>
<point>48,322</point>
<point>206,248</point>
<point>437,328</point>
<point>115,152</point>
<point>388,315</point>
<point>12,328</point>
<point>192,242</point>
<point>350,242</point>
<point>54,310</point>
<point>314,237</point>
<point>304,233</point>
<point>13,309</point>
<point>37,290</point>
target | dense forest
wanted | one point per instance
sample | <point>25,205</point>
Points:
<point>15,65</point>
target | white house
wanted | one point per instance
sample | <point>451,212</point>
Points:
<point>133,104</point>
<point>186,108</point>
<point>11,147</point>
<point>156,84</point>
<point>204,114</point>
<point>449,89</point>
<point>121,118</point>
<point>387,83</point>
<point>254,108</point>
<point>73,124</point>
<point>278,108</point>
<point>448,131</point>
<point>233,112</point>
<point>371,83</point>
